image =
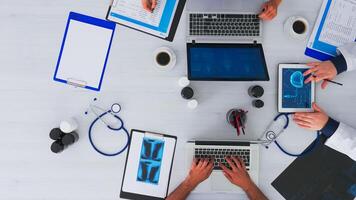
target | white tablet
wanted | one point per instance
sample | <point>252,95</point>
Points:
<point>293,94</point>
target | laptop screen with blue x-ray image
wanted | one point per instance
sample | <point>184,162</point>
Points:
<point>226,62</point>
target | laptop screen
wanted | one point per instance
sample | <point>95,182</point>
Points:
<point>226,62</point>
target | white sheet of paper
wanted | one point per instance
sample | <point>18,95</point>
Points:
<point>131,184</point>
<point>133,9</point>
<point>340,23</point>
<point>84,53</point>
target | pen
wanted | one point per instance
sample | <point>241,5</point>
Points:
<point>242,127</point>
<point>237,125</point>
<point>330,81</point>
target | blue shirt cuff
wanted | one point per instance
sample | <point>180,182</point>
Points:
<point>340,63</point>
<point>330,127</point>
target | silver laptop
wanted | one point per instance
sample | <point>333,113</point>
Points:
<point>247,150</point>
<point>224,21</point>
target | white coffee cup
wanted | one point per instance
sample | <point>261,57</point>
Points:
<point>297,27</point>
<point>164,59</point>
<point>68,125</point>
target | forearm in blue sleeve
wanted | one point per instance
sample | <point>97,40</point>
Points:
<point>330,127</point>
<point>340,63</point>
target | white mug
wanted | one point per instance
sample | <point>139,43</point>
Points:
<point>68,125</point>
<point>164,59</point>
<point>294,31</point>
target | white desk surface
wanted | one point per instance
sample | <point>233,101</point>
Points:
<point>32,104</point>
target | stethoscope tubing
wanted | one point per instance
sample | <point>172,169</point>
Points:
<point>305,152</point>
<point>122,127</point>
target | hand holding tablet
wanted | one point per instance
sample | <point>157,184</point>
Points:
<point>313,121</point>
<point>295,94</point>
<point>322,71</point>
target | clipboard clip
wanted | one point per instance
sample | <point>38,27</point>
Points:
<point>76,83</point>
<point>154,135</point>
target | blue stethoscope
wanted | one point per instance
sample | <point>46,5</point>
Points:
<point>271,135</point>
<point>114,110</point>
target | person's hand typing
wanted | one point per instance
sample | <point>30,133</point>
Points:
<point>312,121</point>
<point>199,171</point>
<point>237,175</point>
<point>320,71</point>
<point>149,5</point>
<point>269,9</point>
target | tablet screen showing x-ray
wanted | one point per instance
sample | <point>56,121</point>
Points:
<point>295,93</point>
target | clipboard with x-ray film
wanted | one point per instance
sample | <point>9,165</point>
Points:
<point>148,166</point>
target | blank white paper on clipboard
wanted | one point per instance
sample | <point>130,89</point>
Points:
<point>84,52</point>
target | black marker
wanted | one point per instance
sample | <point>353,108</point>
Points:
<point>330,81</point>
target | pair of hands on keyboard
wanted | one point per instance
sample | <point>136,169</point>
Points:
<point>237,174</point>
<point>201,170</point>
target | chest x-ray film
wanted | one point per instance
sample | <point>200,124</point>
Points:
<point>148,165</point>
<point>294,94</point>
<point>150,160</point>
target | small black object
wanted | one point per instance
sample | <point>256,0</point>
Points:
<point>258,103</point>
<point>56,134</point>
<point>256,91</point>
<point>187,93</point>
<point>70,138</point>
<point>57,146</point>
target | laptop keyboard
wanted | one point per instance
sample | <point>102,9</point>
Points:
<point>219,155</point>
<point>224,25</point>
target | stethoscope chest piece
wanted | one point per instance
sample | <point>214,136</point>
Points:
<point>279,124</point>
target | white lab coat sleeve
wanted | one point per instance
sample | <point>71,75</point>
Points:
<point>349,53</point>
<point>344,140</point>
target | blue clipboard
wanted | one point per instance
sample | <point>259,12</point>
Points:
<point>312,52</point>
<point>318,49</point>
<point>94,25</point>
